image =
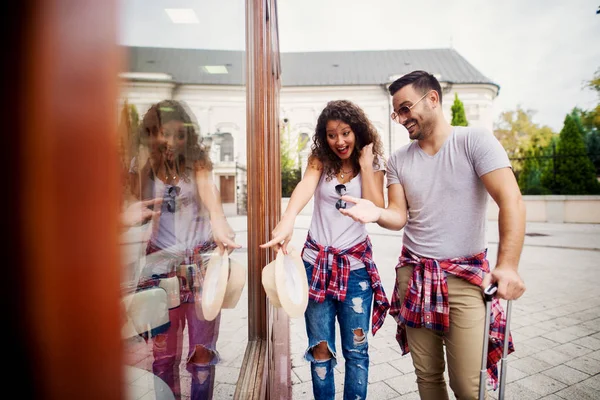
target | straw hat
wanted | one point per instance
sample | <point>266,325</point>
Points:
<point>146,312</point>
<point>223,284</point>
<point>284,280</point>
<point>235,283</point>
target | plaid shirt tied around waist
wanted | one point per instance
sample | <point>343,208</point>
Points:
<point>336,285</point>
<point>191,280</point>
<point>426,302</point>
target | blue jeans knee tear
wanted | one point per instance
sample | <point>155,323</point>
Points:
<point>160,342</point>
<point>359,337</point>
<point>321,372</point>
<point>214,356</point>
<point>357,305</point>
<point>309,355</point>
<point>202,376</point>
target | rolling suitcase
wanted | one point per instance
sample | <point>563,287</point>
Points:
<point>489,294</point>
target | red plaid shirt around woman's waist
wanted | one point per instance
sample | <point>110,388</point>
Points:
<point>426,301</point>
<point>336,285</point>
<point>191,279</point>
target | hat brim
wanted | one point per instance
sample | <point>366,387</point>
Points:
<point>268,282</point>
<point>146,312</point>
<point>291,283</point>
<point>235,283</point>
<point>214,285</point>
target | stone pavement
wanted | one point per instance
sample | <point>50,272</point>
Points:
<point>555,325</point>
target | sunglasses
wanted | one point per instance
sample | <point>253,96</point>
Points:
<point>341,190</point>
<point>404,111</point>
<point>171,193</point>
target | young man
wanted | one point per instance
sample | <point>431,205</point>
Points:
<point>438,188</point>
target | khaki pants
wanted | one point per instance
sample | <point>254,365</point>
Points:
<point>464,342</point>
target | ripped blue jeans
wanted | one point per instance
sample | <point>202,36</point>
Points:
<point>168,347</point>
<point>354,316</point>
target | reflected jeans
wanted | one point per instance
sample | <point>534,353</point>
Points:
<point>167,349</point>
<point>354,316</point>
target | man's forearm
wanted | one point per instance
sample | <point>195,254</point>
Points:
<point>511,226</point>
<point>392,218</point>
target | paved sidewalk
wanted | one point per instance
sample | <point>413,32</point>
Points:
<point>555,325</point>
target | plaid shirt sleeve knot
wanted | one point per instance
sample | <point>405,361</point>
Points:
<point>192,282</point>
<point>334,284</point>
<point>426,305</point>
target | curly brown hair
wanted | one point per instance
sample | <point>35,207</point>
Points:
<point>364,131</point>
<point>195,154</point>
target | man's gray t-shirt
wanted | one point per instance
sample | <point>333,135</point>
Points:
<point>447,201</point>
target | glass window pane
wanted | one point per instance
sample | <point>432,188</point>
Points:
<point>182,125</point>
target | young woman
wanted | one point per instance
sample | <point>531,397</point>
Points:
<point>173,166</point>
<point>346,158</point>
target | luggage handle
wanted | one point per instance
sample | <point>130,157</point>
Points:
<point>489,293</point>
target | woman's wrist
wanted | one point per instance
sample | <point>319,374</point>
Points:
<point>217,216</point>
<point>288,216</point>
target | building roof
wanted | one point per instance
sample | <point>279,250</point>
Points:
<point>326,68</point>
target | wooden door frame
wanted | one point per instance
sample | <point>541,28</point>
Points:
<point>266,369</point>
<point>62,108</point>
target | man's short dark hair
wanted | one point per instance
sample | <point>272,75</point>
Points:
<point>422,82</point>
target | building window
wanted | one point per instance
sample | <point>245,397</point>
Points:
<point>303,139</point>
<point>226,147</point>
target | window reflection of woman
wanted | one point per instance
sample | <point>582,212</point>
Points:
<point>175,167</point>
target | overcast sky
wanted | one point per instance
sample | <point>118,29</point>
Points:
<point>540,52</point>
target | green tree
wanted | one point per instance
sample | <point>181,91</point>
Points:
<point>128,125</point>
<point>592,142</point>
<point>530,177</point>
<point>458,113</point>
<point>520,136</point>
<point>290,165</point>
<point>134,117</point>
<point>594,83</point>
<point>128,140</point>
<point>570,171</point>
<point>590,121</point>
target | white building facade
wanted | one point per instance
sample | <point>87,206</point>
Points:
<point>220,108</point>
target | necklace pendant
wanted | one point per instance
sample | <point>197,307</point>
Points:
<point>342,176</point>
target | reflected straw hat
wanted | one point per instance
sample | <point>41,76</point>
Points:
<point>223,284</point>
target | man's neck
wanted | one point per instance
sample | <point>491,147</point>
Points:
<point>434,142</point>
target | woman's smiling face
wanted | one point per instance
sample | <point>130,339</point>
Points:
<point>340,138</point>
<point>175,136</point>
